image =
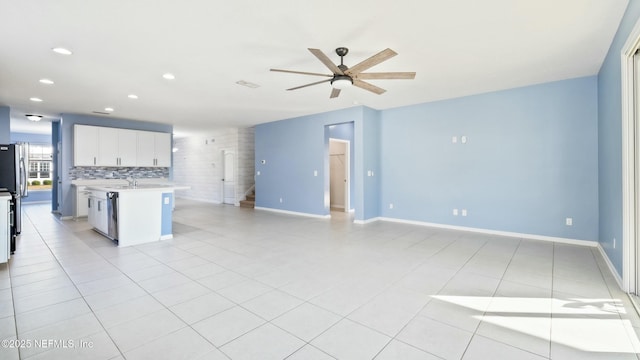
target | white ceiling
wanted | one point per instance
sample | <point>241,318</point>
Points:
<point>121,47</point>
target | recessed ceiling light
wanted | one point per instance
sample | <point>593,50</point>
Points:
<point>46,81</point>
<point>108,109</point>
<point>34,117</point>
<point>169,76</point>
<point>61,51</point>
<point>35,99</point>
<point>132,96</point>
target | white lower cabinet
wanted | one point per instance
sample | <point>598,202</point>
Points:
<point>81,201</point>
<point>98,216</point>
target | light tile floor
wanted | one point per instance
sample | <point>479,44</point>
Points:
<point>244,284</point>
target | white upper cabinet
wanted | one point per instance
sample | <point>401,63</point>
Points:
<point>85,145</point>
<point>103,146</point>
<point>163,149</point>
<point>108,147</point>
<point>154,149</point>
<point>127,147</point>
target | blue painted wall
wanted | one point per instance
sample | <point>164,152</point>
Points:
<point>30,138</point>
<point>372,170</point>
<point>610,140</point>
<point>55,139</point>
<point>5,125</point>
<point>294,148</point>
<point>530,160</point>
<point>66,136</point>
<point>167,206</point>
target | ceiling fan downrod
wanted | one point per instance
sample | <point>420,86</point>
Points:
<point>342,51</point>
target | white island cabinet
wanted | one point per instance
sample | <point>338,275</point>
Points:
<point>135,214</point>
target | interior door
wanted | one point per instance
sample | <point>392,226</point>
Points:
<point>228,177</point>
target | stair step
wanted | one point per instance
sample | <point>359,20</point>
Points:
<point>251,197</point>
<point>249,204</point>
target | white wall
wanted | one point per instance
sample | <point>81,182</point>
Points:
<point>245,161</point>
<point>198,163</point>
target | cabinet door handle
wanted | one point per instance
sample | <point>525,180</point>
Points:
<point>99,205</point>
<point>94,160</point>
<point>89,203</point>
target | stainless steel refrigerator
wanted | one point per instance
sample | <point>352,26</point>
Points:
<point>13,177</point>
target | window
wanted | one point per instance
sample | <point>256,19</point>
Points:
<point>40,163</point>
<point>33,170</point>
<point>45,169</point>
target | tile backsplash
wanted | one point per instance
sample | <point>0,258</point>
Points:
<point>93,172</point>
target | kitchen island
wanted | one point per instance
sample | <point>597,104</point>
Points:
<point>132,215</point>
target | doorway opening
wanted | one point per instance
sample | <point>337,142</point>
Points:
<point>339,174</point>
<point>339,171</point>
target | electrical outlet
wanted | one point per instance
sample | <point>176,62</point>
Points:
<point>315,172</point>
<point>258,173</point>
<point>281,200</point>
<point>455,212</point>
<point>464,212</point>
<point>463,139</point>
<point>568,221</point>
<point>454,139</point>
<point>391,206</point>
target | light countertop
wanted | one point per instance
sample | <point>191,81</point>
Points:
<point>141,187</point>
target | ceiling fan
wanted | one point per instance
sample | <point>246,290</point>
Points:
<point>343,76</point>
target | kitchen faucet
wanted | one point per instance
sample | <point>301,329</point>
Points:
<point>133,182</point>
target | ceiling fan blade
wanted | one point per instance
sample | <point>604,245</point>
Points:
<point>301,72</point>
<point>326,61</point>
<point>315,83</point>
<point>334,93</point>
<point>368,86</point>
<point>372,61</point>
<point>386,75</point>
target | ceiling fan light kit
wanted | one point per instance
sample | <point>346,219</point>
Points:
<point>343,76</point>
<point>341,82</point>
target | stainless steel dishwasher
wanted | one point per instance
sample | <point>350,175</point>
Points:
<point>112,214</point>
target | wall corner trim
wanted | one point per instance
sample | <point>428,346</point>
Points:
<point>612,268</point>
<point>287,212</point>
<point>496,232</point>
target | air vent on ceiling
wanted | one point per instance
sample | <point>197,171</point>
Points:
<point>247,84</point>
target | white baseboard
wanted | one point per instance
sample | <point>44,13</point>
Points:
<point>495,232</point>
<point>294,213</point>
<point>199,199</point>
<point>612,268</point>
<point>368,221</point>
<point>166,237</point>
<point>66,217</point>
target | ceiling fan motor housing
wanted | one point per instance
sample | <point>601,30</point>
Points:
<point>342,51</point>
<point>339,81</point>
